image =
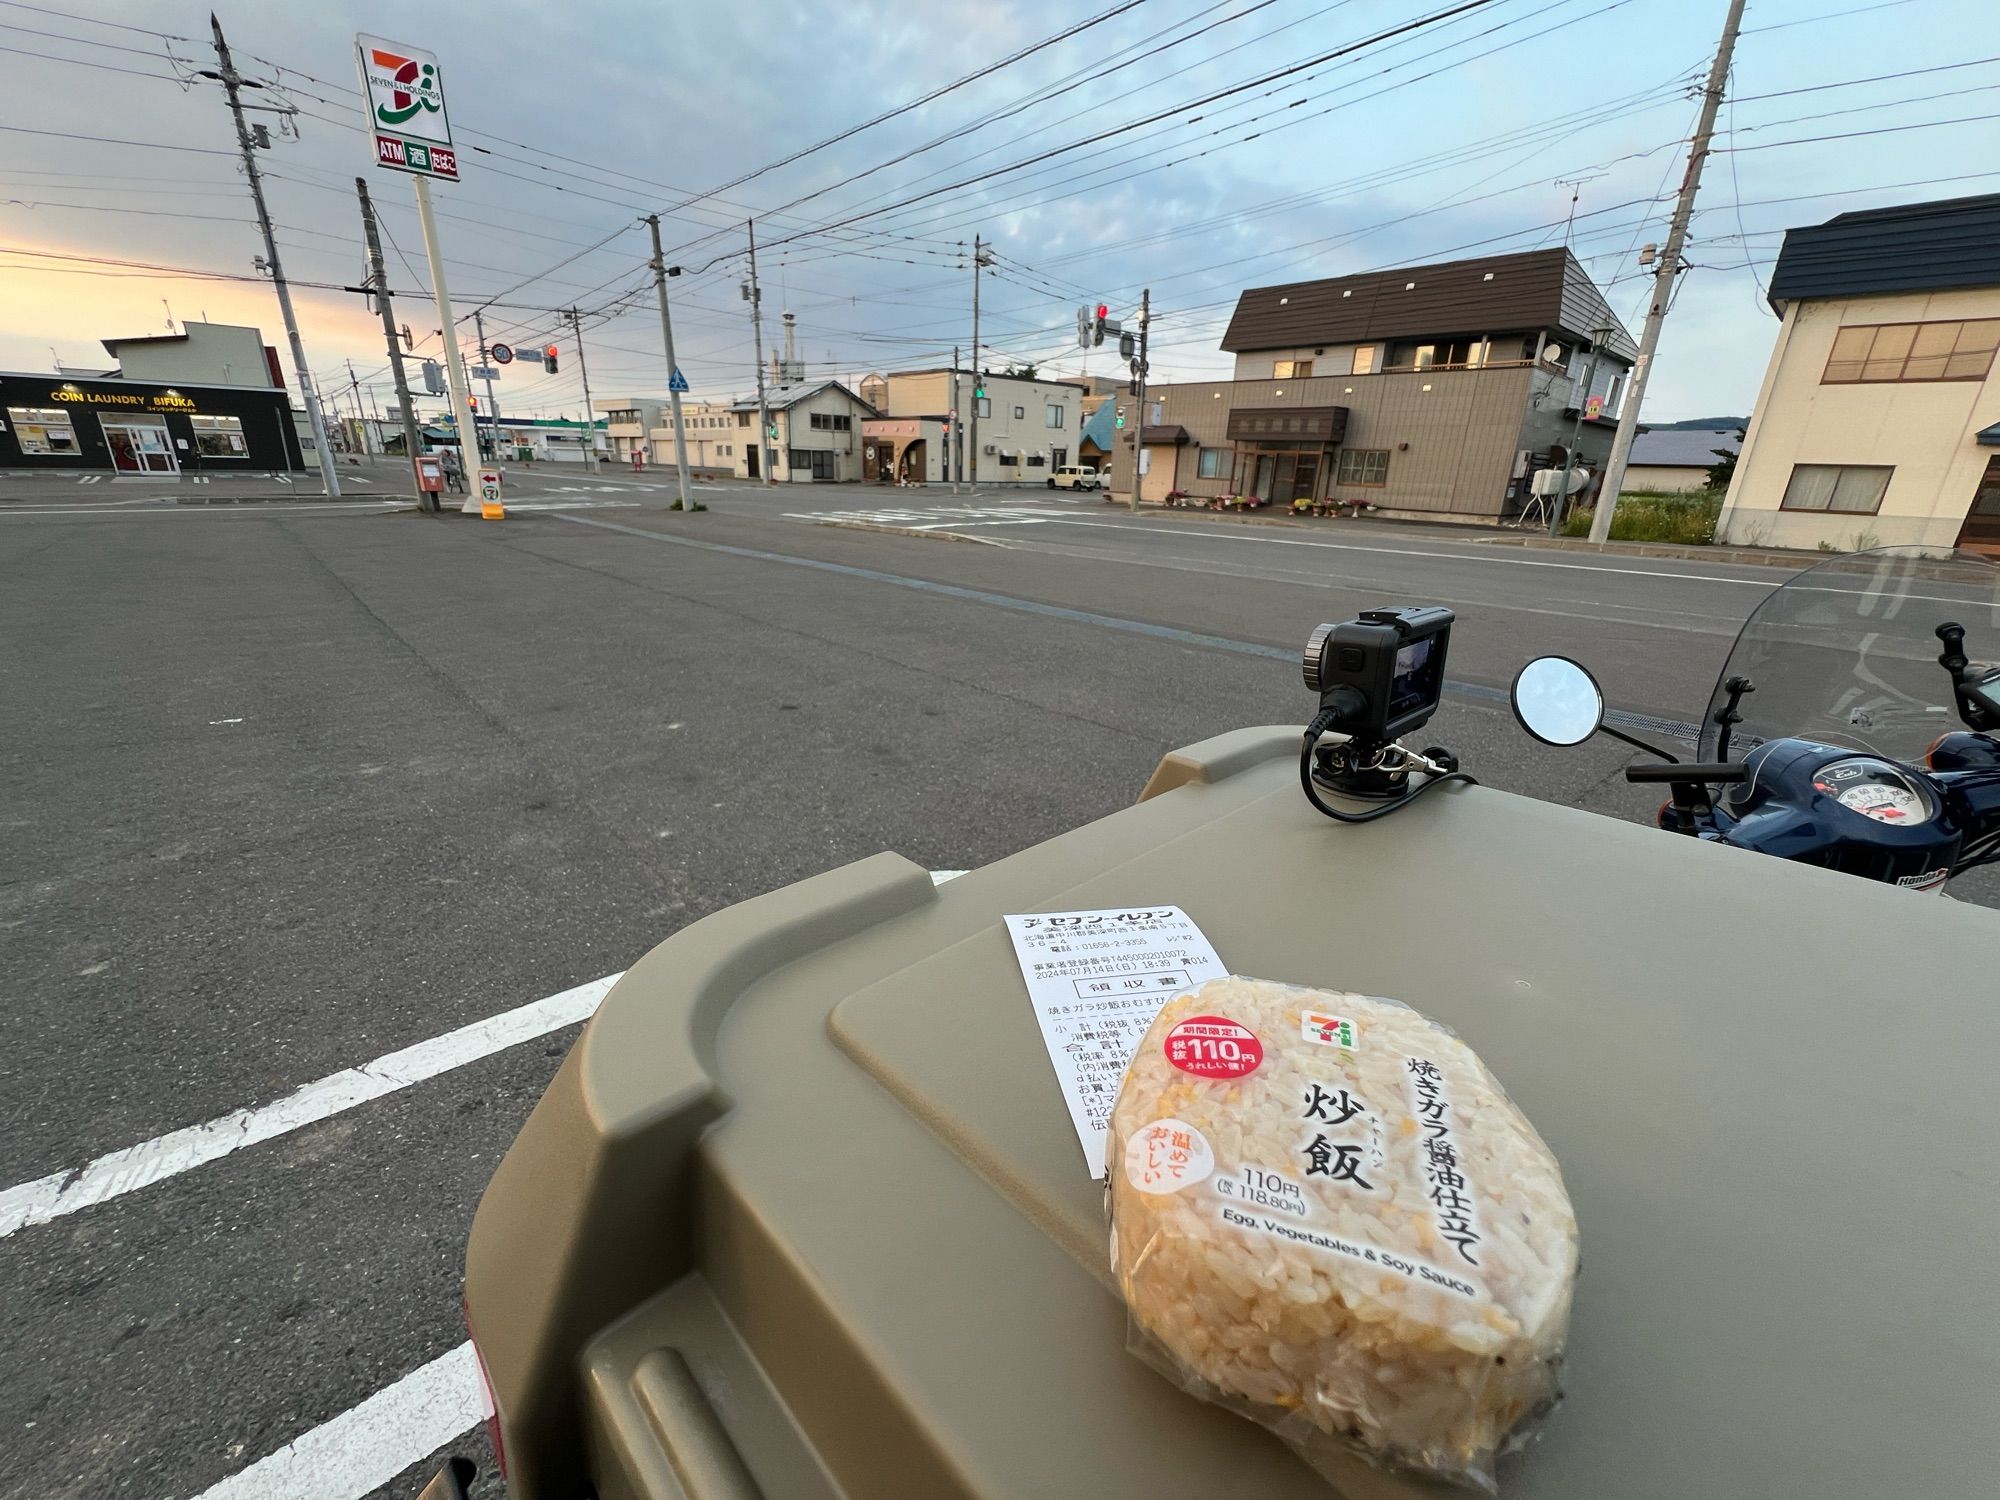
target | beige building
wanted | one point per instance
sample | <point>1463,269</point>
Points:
<point>200,354</point>
<point>1879,419</point>
<point>713,445</point>
<point>628,424</point>
<point>817,435</point>
<point>1431,391</point>
<point>1028,428</point>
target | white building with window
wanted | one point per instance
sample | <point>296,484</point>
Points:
<point>1028,427</point>
<point>815,436</point>
<point>628,424</point>
<point>713,444</point>
<point>1879,419</point>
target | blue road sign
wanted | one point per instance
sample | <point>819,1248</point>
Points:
<point>678,381</point>
<point>501,354</point>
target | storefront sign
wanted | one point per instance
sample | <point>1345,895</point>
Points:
<point>403,92</point>
<point>151,401</point>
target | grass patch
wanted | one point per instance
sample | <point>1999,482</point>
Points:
<point>1686,520</point>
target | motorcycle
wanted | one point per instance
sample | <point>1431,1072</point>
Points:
<point>1838,695</point>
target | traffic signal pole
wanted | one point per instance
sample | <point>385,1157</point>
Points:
<point>589,411</point>
<point>978,380</point>
<point>486,364</point>
<point>1139,390</point>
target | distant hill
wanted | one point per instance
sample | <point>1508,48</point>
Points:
<point>1703,424</point>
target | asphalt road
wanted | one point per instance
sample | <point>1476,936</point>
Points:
<point>289,787</point>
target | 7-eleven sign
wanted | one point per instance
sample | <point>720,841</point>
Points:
<point>403,91</point>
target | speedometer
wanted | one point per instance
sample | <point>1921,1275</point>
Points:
<point>1873,788</point>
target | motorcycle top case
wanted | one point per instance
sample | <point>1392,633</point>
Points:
<point>803,1213</point>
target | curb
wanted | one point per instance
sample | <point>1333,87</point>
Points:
<point>1763,557</point>
<point>933,536</point>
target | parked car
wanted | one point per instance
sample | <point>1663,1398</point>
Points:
<point>1075,477</point>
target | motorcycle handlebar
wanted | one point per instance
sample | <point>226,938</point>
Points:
<point>1702,771</point>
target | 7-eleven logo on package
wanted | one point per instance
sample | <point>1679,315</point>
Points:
<point>1328,1031</point>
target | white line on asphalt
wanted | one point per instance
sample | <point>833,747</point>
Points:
<point>274,508</point>
<point>130,1168</point>
<point>1215,533</point>
<point>134,1167</point>
<point>368,1445</point>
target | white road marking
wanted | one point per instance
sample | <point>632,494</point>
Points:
<point>163,508</point>
<point>368,1445</point>
<point>1217,533</point>
<point>133,1167</point>
<point>213,722</point>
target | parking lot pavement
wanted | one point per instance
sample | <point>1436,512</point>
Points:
<point>327,828</point>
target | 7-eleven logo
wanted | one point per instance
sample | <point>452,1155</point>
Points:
<point>1328,1031</point>
<point>411,86</point>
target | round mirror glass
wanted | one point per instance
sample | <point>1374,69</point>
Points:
<point>1557,701</point>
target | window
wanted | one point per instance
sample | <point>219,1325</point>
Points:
<point>1364,466</point>
<point>1855,489</point>
<point>743,419</point>
<point>219,437</point>
<point>1020,413</point>
<point>1212,463</point>
<point>1035,460</point>
<point>817,462</point>
<point>42,429</point>
<point>984,406</point>
<point>1291,369</point>
<point>1912,351</point>
<point>1366,358</point>
<point>627,415</point>
<point>1053,415</point>
<point>1058,457</point>
<point>1010,460</point>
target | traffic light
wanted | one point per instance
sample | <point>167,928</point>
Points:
<point>1103,317</point>
<point>1128,346</point>
<point>549,359</point>
<point>433,377</point>
<point>978,392</point>
<point>473,402</point>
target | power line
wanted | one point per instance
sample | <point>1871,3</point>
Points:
<point>1849,83</point>
<point>109,140</point>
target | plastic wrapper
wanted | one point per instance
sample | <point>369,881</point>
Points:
<point>1327,1216</point>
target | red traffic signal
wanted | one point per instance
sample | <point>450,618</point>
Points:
<point>1103,311</point>
<point>549,359</point>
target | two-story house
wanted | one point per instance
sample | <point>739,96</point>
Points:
<point>1432,391</point>
<point>628,423</point>
<point>1879,419</point>
<point>1028,428</point>
<point>815,435</point>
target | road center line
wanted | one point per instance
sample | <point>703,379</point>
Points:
<point>133,1167</point>
<point>368,1445</point>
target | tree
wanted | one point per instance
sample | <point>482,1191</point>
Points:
<point>1021,372</point>
<point>1724,469</point>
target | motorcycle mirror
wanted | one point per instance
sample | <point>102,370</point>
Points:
<point>1558,701</point>
<point>1987,690</point>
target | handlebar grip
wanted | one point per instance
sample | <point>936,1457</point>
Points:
<point>1703,771</point>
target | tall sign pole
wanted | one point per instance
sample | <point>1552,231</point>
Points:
<point>1664,272</point>
<point>403,92</point>
<point>379,283</point>
<point>764,454</point>
<point>676,383</point>
<point>952,439</point>
<point>232,84</point>
<point>979,260</point>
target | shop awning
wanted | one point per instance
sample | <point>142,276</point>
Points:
<point>1989,437</point>
<point>1170,434</point>
<point>441,435</point>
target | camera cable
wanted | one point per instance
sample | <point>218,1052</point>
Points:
<point>1318,727</point>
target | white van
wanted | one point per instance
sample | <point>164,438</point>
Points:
<point>1075,477</point>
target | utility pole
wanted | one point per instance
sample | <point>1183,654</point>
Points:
<point>486,363</point>
<point>660,275</point>
<point>379,283</point>
<point>233,83</point>
<point>979,260</point>
<point>1664,272</point>
<point>1139,390</point>
<point>764,454</point>
<point>954,445</point>
<point>589,411</point>
<point>360,416</point>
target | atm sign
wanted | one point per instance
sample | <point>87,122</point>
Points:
<point>416,156</point>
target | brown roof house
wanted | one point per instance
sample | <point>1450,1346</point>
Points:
<point>1432,391</point>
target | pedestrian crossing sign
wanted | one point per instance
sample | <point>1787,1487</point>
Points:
<point>677,382</point>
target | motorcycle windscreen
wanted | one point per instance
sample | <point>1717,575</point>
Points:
<point>1846,652</point>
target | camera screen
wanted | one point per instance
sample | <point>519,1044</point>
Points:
<point>1415,684</point>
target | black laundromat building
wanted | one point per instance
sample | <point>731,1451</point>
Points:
<point>143,427</point>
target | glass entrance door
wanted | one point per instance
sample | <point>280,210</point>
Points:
<point>140,446</point>
<point>1981,532</point>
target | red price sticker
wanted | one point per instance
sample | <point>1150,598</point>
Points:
<point>1214,1047</point>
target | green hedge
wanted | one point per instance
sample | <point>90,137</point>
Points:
<point>1650,516</point>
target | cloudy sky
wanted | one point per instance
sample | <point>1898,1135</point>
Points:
<point>1462,137</point>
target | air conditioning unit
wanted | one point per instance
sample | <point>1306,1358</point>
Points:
<point>989,448</point>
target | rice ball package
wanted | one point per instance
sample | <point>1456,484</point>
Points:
<point>1327,1216</point>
